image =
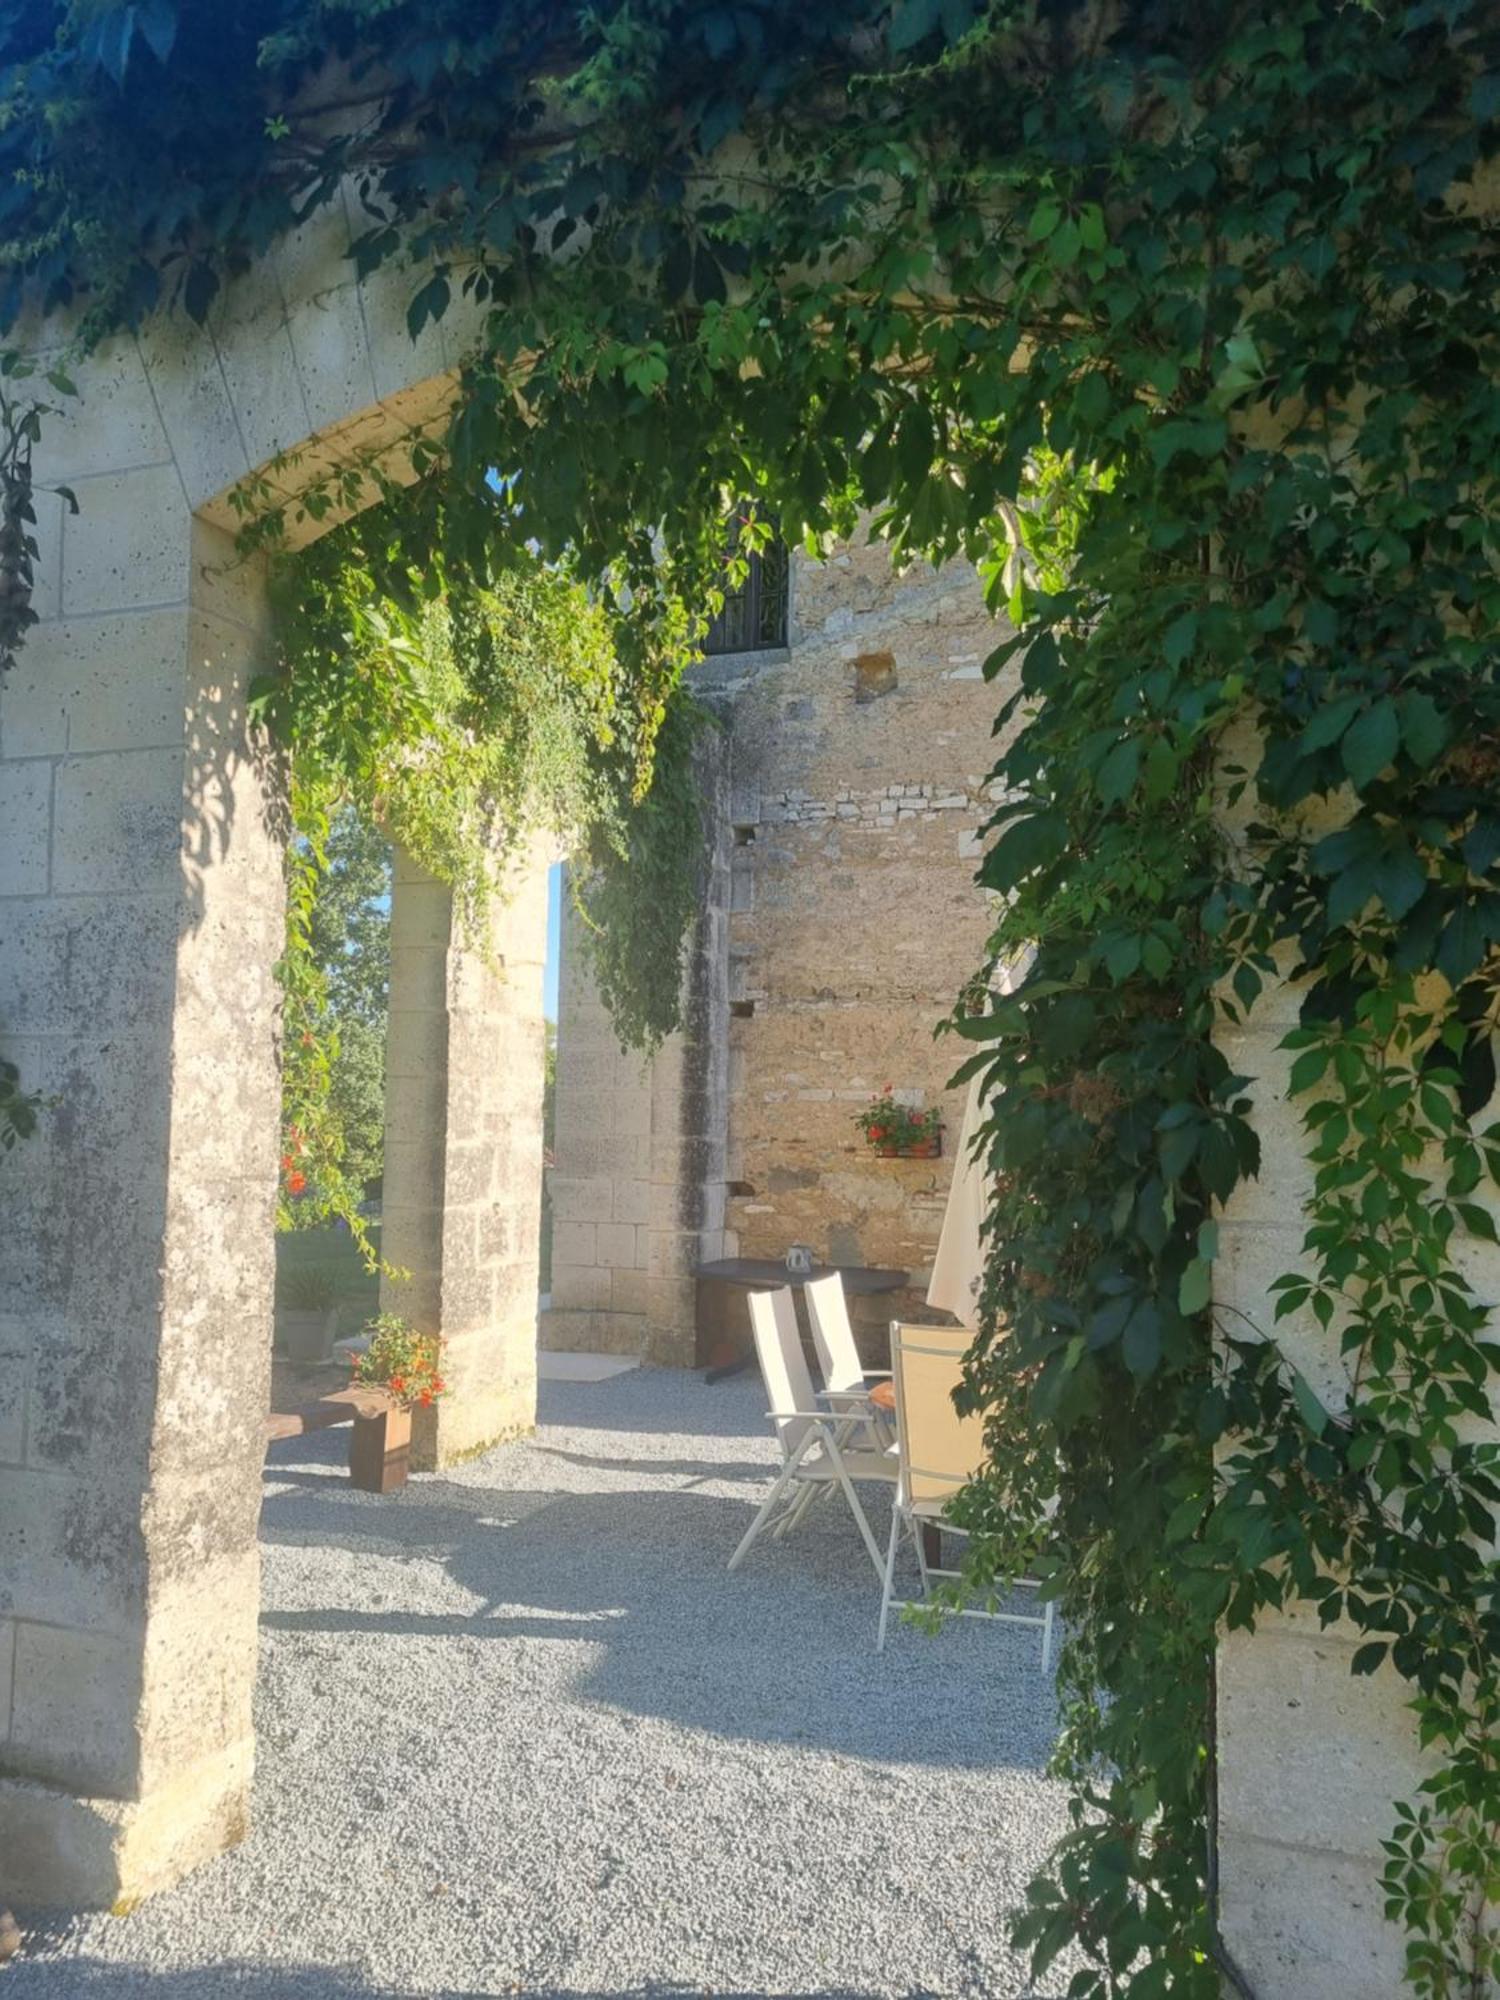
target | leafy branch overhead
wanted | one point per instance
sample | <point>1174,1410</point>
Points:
<point>1181,322</point>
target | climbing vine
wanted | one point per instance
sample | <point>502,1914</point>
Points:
<point>1181,322</point>
<point>22,413</point>
<point>466,720</point>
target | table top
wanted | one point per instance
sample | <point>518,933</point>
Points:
<point>860,1280</point>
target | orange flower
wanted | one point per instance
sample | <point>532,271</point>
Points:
<point>425,1398</point>
<point>295,1183</point>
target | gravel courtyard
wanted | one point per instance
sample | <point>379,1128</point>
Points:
<point>519,1732</point>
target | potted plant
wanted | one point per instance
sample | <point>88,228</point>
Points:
<point>405,1365</point>
<point>307,1315</point>
<point>897,1132</point>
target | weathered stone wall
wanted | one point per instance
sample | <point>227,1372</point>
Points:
<point>846,843</point>
<point>638,1188</point>
<point>860,766</point>
<point>463,1150</point>
<point>141,911</point>
<point>141,917</point>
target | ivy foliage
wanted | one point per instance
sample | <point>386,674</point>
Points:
<point>465,723</point>
<point>349,943</point>
<point>1181,322</point>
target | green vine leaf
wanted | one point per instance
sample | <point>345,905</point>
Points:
<point>1370,744</point>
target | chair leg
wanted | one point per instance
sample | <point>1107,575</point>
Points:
<point>921,1548</point>
<point>855,1509</point>
<point>813,1490</point>
<point>786,1475</point>
<point>888,1581</point>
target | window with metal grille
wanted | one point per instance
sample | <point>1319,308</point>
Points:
<point>754,616</point>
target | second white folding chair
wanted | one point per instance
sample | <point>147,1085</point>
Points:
<point>846,1380</point>
<point>817,1450</point>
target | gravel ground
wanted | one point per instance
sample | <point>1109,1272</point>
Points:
<point>521,1733</point>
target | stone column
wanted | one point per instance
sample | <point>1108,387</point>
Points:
<point>463,1151</point>
<point>141,916</point>
<point>638,1190</point>
<point>1311,1758</point>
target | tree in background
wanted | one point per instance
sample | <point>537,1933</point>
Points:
<point>350,940</point>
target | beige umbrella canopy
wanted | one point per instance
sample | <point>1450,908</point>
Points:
<point>959,1265</point>
<point>958,1268</point>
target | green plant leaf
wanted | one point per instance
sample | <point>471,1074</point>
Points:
<point>1195,1289</point>
<point>1370,744</point>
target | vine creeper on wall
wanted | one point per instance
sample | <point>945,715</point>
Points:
<point>465,719</point>
<point>1211,293</point>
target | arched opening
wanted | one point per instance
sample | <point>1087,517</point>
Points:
<point>143,922</point>
<point>151,878</point>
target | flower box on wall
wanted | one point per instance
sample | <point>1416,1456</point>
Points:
<point>929,1148</point>
<point>898,1131</point>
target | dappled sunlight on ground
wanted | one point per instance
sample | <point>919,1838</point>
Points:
<point>521,1732</point>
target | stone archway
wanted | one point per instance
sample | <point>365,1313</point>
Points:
<point>141,915</point>
<point>140,919</point>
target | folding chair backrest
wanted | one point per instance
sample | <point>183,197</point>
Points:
<point>778,1345</point>
<point>832,1334</point>
<point>940,1450</point>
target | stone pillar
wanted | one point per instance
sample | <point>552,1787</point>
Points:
<point>465,1052</point>
<point>638,1190</point>
<point>1311,1758</point>
<point>688,1159</point>
<point>141,916</point>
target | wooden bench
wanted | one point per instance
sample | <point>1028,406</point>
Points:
<point>379,1443</point>
<point>339,1406</point>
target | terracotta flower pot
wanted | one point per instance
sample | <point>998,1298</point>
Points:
<point>930,1148</point>
<point>380,1451</point>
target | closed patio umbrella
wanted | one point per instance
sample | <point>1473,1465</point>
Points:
<point>958,1268</point>
<point>959,1264</point>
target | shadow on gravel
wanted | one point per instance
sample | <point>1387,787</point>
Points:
<point>243,1979</point>
<point>782,1651</point>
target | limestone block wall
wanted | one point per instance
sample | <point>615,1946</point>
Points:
<point>141,913</point>
<point>1311,1760</point>
<point>860,766</point>
<point>840,920</point>
<point>141,919</point>
<point>638,1187</point>
<point>463,1149</point>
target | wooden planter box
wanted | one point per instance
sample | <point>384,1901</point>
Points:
<point>380,1451</point>
<point>922,1149</point>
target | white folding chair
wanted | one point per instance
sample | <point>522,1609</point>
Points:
<point>846,1381</point>
<point>938,1452</point>
<point>815,1444</point>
